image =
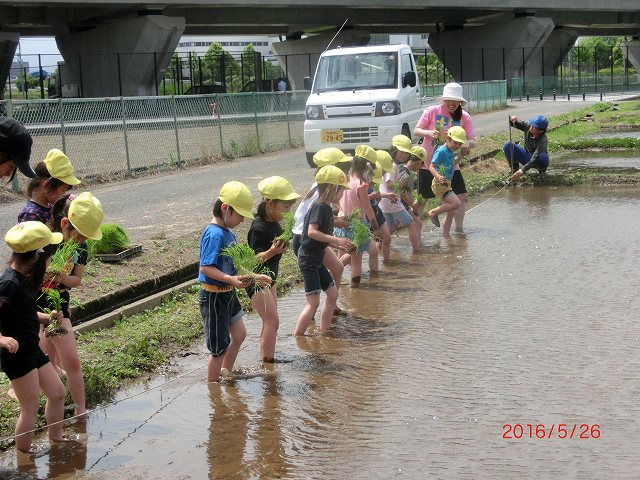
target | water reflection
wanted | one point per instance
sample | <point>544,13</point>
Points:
<point>531,317</point>
<point>614,160</point>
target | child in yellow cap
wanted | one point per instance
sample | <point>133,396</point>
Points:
<point>219,305</point>
<point>54,178</point>
<point>316,237</point>
<point>27,367</point>
<point>391,205</point>
<point>322,158</point>
<point>408,181</point>
<point>77,218</point>
<point>442,167</point>
<point>278,197</point>
<point>384,164</point>
<point>357,197</point>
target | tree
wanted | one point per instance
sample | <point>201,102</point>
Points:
<point>598,53</point>
<point>219,66</point>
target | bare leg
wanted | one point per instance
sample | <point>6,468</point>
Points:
<point>214,364</point>
<point>54,391</point>
<point>307,313</point>
<point>328,308</point>
<point>458,218</point>
<point>385,243</point>
<point>67,350</point>
<point>27,390</point>
<point>373,257</point>
<point>335,267</point>
<point>238,333</point>
<point>356,267</point>
<point>264,302</point>
<point>414,236</point>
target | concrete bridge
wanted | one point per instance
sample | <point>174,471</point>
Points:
<point>124,48</point>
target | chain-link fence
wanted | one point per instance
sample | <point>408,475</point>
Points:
<point>120,136</point>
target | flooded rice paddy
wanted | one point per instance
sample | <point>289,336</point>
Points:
<point>609,161</point>
<point>529,318</point>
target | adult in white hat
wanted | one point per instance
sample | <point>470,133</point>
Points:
<point>433,126</point>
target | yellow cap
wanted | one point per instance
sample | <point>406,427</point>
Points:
<point>59,166</point>
<point>419,152</point>
<point>385,160</point>
<point>237,195</point>
<point>333,175</point>
<point>402,143</point>
<point>457,134</point>
<point>86,215</point>
<point>30,236</point>
<point>377,174</point>
<point>366,152</point>
<point>277,188</point>
<point>330,156</point>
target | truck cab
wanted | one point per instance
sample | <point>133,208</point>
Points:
<point>361,95</point>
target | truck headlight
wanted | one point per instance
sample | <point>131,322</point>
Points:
<point>314,112</point>
<point>387,108</point>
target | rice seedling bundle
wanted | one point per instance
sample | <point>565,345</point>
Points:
<point>114,239</point>
<point>62,255</point>
<point>361,233</point>
<point>289,221</point>
<point>55,300</point>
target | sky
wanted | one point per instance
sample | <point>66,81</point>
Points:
<point>45,46</point>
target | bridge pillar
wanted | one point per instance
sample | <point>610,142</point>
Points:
<point>8,46</point>
<point>299,58</point>
<point>115,59</point>
<point>494,51</point>
<point>631,51</point>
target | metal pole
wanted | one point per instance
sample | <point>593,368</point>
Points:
<point>155,70</point>
<point>175,124</point>
<point>14,182</point>
<point>119,74</point>
<point>126,137</point>
<point>62,133</point>
<point>443,66</point>
<point>287,112</point>
<point>219,107</point>
<point>255,117</point>
<point>579,74</point>
<point>611,69</point>
<point>40,75</point>
<point>25,86</point>
<point>461,76</point>
<point>504,72</point>
<point>81,92</point>
<point>482,58</point>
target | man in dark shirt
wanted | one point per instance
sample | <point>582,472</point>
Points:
<point>534,154</point>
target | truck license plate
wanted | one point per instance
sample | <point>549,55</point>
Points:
<point>332,136</point>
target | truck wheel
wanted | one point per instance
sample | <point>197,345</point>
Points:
<point>310,159</point>
<point>405,130</point>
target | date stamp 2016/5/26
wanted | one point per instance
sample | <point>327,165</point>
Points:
<point>560,430</point>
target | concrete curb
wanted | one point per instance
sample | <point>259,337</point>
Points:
<point>107,320</point>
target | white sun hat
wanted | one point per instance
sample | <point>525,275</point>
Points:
<point>452,91</point>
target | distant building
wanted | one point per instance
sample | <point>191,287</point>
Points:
<point>232,44</point>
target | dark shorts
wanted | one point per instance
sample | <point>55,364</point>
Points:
<point>457,183</point>
<point>315,275</point>
<point>424,183</point>
<point>295,244</point>
<point>18,364</point>
<point>219,311</point>
<point>379,215</point>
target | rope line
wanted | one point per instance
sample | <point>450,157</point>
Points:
<point>492,196</point>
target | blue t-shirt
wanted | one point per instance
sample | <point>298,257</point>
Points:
<point>445,161</point>
<point>215,239</point>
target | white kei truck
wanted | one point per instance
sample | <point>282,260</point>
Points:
<point>361,95</point>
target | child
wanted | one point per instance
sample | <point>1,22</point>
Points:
<point>534,154</point>
<point>221,311</point>
<point>54,177</point>
<point>357,196</point>
<point>394,211</point>
<point>316,237</point>
<point>27,367</point>
<point>323,158</point>
<point>278,197</point>
<point>384,242</point>
<point>442,167</point>
<point>408,184</point>
<point>15,149</point>
<point>77,218</point>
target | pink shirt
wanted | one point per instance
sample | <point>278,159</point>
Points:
<point>437,117</point>
<point>350,200</point>
<point>386,204</point>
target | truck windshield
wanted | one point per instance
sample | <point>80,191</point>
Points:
<point>357,71</point>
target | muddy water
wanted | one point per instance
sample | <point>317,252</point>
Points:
<point>529,318</point>
<point>609,161</point>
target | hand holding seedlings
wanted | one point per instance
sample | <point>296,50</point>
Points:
<point>248,265</point>
<point>54,328</point>
<point>289,221</point>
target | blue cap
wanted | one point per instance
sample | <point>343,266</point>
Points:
<point>540,122</point>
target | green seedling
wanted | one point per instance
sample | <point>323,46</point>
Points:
<point>361,233</point>
<point>114,239</point>
<point>288,219</point>
<point>59,259</point>
<point>246,262</point>
<point>354,215</point>
<point>55,300</point>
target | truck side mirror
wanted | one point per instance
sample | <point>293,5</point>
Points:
<point>409,79</point>
<point>307,83</point>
